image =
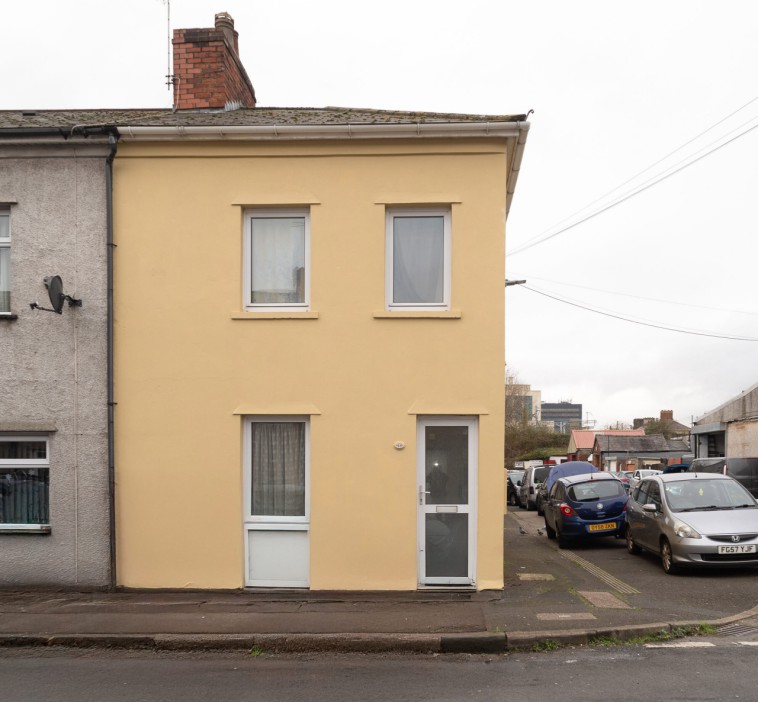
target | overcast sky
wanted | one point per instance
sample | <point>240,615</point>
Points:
<point>615,87</point>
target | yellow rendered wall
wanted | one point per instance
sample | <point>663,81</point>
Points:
<point>184,364</point>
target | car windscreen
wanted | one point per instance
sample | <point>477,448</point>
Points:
<point>706,495</point>
<point>594,490</point>
<point>540,474</point>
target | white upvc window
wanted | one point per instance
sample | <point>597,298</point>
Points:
<point>24,483</point>
<point>277,260</point>
<point>277,469</point>
<point>5,260</point>
<point>418,258</point>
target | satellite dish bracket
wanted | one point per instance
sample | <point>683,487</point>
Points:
<point>54,286</point>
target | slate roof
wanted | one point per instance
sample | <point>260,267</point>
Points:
<point>257,116</point>
<point>651,443</point>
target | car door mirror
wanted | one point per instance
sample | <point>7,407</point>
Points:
<point>650,507</point>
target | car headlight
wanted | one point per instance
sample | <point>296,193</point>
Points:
<point>685,531</point>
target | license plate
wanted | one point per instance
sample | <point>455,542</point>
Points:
<point>741,548</point>
<point>608,526</point>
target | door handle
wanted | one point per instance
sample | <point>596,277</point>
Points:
<point>421,493</point>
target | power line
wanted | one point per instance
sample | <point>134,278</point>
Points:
<point>645,170</point>
<point>641,323</point>
<point>642,297</point>
<point>655,180</point>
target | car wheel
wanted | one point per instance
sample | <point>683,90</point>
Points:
<point>540,511</point>
<point>550,531</point>
<point>631,547</point>
<point>512,500</point>
<point>667,558</point>
<point>562,541</point>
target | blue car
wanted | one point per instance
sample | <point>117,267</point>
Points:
<point>584,507</point>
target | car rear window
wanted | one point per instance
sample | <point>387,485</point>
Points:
<point>540,474</point>
<point>594,490</point>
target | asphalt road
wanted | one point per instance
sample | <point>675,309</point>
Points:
<point>706,594</point>
<point>718,672</point>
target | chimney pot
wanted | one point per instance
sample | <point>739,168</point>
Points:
<point>225,23</point>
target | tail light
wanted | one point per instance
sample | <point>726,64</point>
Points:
<point>566,510</point>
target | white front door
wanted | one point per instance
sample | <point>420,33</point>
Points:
<point>446,500</point>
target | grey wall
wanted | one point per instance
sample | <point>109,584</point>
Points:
<point>53,368</point>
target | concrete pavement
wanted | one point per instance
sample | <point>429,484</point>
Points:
<point>550,595</point>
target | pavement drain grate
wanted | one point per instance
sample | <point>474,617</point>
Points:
<point>736,630</point>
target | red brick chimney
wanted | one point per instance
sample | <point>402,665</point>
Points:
<point>208,72</point>
<point>667,415</point>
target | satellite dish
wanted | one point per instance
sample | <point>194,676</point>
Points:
<point>54,286</point>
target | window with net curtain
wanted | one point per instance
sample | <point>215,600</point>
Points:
<point>24,481</point>
<point>418,251</point>
<point>278,469</point>
<point>5,261</point>
<point>278,252</point>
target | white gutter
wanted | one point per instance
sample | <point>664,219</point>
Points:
<point>322,131</point>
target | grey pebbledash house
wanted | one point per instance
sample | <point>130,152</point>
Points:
<point>55,497</point>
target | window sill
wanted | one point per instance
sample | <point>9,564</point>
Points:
<point>275,315</point>
<point>418,314</point>
<point>7,316</point>
<point>32,529</point>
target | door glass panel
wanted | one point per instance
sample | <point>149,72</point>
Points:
<point>446,545</point>
<point>446,465</point>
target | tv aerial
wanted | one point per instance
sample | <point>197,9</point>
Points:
<point>54,286</point>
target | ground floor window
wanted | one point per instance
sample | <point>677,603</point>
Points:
<point>24,482</point>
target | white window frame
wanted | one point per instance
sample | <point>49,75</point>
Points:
<point>261,520</point>
<point>22,463</point>
<point>5,243</point>
<point>441,211</point>
<point>250,215</point>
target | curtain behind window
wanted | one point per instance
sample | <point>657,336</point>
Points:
<point>418,259</point>
<point>278,260</point>
<point>278,469</point>
<point>24,496</point>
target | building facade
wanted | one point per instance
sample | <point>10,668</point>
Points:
<point>55,501</point>
<point>309,346</point>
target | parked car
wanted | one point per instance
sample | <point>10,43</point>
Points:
<point>743,470</point>
<point>560,471</point>
<point>585,507</point>
<point>533,476</point>
<point>699,520</point>
<point>639,474</point>
<point>513,484</point>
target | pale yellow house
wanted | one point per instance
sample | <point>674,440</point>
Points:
<point>309,334</point>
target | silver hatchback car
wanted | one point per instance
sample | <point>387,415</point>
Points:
<point>693,519</point>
